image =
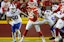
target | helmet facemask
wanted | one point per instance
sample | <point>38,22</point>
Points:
<point>31,4</point>
<point>12,8</point>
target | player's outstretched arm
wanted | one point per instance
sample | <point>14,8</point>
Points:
<point>24,13</point>
<point>61,16</point>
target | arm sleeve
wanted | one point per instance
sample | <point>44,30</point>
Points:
<point>62,16</point>
<point>59,16</point>
<point>19,11</point>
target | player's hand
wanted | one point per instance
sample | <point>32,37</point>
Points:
<point>10,23</point>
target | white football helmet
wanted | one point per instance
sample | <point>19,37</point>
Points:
<point>12,8</point>
<point>54,7</point>
<point>48,12</point>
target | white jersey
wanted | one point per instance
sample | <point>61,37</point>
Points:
<point>60,22</point>
<point>49,17</point>
<point>5,5</point>
<point>15,16</point>
<point>60,15</point>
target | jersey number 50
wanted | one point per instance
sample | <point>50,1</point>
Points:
<point>14,17</point>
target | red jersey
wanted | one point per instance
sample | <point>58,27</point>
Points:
<point>33,14</point>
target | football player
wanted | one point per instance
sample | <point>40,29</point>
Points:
<point>33,17</point>
<point>14,15</point>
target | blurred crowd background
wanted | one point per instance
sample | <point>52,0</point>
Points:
<point>22,4</point>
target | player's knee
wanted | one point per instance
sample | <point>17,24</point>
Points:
<point>18,31</point>
<point>40,33</point>
<point>27,28</point>
<point>52,29</point>
<point>52,23</point>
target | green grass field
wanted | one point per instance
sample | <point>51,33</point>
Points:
<point>27,39</point>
